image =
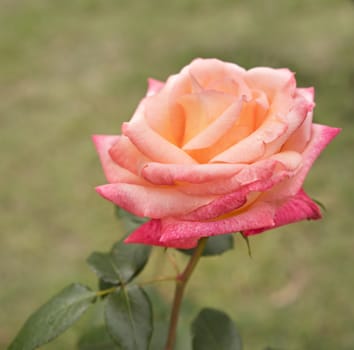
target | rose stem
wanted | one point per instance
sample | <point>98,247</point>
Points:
<point>181,282</point>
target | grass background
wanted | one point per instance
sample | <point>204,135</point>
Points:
<point>72,68</point>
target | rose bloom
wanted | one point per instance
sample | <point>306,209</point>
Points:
<point>213,150</point>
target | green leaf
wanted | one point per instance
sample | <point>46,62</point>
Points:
<point>54,317</point>
<point>320,204</point>
<point>122,264</point>
<point>97,338</point>
<point>215,245</point>
<point>129,259</point>
<point>128,315</point>
<point>246,239</point>
<point>130,221</point>
<point>213,329</point>
<point>159,335</point>
<point>102,265</point>
<point>102,285</point>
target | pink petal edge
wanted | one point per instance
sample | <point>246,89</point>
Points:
<point>154,86</point>
<point>297,208</point>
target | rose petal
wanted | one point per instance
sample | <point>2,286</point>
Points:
<point>201,110</point>
<point>207,71</point>
<point>169,174</point>
<point>220,206</point>
<point>269,171</point>
<point>320,138</point>
<point>153,202</point>
<point>185,234</point>
<point>216,129</point>
<point>294,209</point>
<point>125,154</point>
<point>162,112</point>
<point>269,137</point>
<point>244,188</point>
<point>150,234</point>
<point>294,120</point>
<point>113,172</point>
<point>258,216</point>
<point>299,139</point>
<point>154,86</point>
<point>153,145</point>
<point>308,93</point>
<point>272,81</point>
<point>252,114</point>
<point>253,147</point>
<point>165,116</point>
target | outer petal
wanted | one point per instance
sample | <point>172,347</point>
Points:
<point>272,81</point>
<point>258,216</point>
<point>153,202</point>
<point>169,174</point>
<point>150,233</point>
<point>308,93</point>
<point>113,172</point>
<point>265,172</point>
<point>278,84</point>
<point>293,209</point>
<point>299,139</point>
<point>185,234</point>
<point>220,206</point>
<point>321,136</point>
<point>154,86</point>
<point>293,120</point>
<point>252,181</point>
<point>207,71</point>
<point>125,154</point>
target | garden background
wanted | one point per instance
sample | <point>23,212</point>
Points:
<point>72,68</point>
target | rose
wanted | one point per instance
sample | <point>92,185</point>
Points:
<point>216,149</point>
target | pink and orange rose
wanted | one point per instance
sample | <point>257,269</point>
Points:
<point>215,149</point>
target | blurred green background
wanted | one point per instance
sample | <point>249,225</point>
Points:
<point>72,68</point>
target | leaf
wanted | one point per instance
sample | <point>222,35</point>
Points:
<point>129,259</point>
<point>122,264</point>
<point>102,265</point>
<point>213,329</point>
<point>130,221</point>
<point>128,315</point>
<point>97,338</point>
<point>215,245</point>
<point>54,317</point>
<point>320,204</point>
<point>246,239</point>
<point>159,336</point>
<point>102,285</point>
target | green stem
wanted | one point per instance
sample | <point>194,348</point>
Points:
<point>103,292</point>
<point>181,283</point>
<point>158,279</point>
